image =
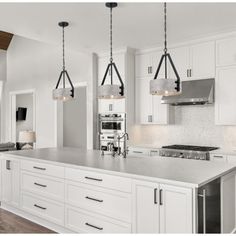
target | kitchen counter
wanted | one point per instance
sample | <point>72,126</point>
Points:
<point>189,173</point>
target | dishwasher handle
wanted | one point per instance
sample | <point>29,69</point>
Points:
<point>203,196</point>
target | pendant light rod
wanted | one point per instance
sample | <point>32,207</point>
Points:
<point>165,41</point>
<point>111,64</point>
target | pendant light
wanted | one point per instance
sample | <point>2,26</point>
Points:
<point>63,93</point>
<point>165,86</point>
<point>111,91</point>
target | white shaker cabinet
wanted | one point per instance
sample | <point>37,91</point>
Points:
<point>196,61</point>
<point>228,202</point>
<point>226,51</point>
<point>161,208</point>
<point>10,181</point>
<point>149,109</point>
<point>146,207</point>
<point>180,57</point>
<point>175,209</point>
<point>225,96</point>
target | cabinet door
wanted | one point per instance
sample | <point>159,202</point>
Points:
<point>226,52</point>
<point>143,101</point>
<point>175,209</point>
<point>160,111</point>
<point>105,105</point>
<point>11,181</point>
<point>119,105</point>
<point>143,64</point>
<point>146,207</point>
<point>228,203</point>
<point>202,59</point>
<point>180,57</point>
<point>225,96</point>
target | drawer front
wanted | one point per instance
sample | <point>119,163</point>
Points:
<point>48,187</point>
<point>41,207</point>
<point>42,168</point>
<point>85,222</point>
<point>109,203</point>
<point>100,180</point>
<point>218,157</point>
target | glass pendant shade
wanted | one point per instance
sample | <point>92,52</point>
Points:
<point>164,87</point>
<point>62,94</point>
<point>109,91</point>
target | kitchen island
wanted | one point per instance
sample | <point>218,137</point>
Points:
<point>75,190</point>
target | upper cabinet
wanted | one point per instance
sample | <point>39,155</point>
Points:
<point>194,62</point>
<point>226,52</point>
<point>202,60</point>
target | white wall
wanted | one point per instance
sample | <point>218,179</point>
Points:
<point>193,125</point>
<point>24,100</point>
<point>35,65</point>
<point>75,120</point>
<point>3,65</point>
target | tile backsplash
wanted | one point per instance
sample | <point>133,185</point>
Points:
<point>193,125</point>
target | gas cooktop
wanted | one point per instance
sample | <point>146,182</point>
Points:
<point>187,151</point>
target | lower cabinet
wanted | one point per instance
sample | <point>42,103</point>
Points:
<point>10,181</point>
<point>83,221</point>
<point>162,208</point>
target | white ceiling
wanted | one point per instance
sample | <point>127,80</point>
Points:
<point>138,25</point>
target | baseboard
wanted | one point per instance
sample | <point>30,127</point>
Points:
<point>35,219</point>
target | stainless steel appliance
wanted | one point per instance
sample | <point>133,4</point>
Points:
<point>112,123</point>
<point>187,151</point>
<point>194,92</point>
<point>112,133</point>
<point>209,205</point>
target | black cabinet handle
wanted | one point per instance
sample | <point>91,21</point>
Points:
<point>137,152</point>
<point>155,195</point>
<point>160,197</point>
<point>39,168</point>
<point>8,164</point>
<point>41,185</point>
<point>93,226</point>
<point>43,208</point>
<point>94,199</point>
<point>90,178</point>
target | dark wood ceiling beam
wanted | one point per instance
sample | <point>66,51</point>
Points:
<point>5,40</point>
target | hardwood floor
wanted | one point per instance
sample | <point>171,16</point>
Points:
<point>11,223</point>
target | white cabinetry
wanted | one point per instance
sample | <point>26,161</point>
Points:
<point>228,202</point>
<point>196,61</point>
<point>167,209</point>
<point>149,109</point>
<point>11,181</point>
<point>225,96</point>
<point>226,51</point>
<point>124,60</point>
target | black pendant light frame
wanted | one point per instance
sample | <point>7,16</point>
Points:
<point>64,74</point>
<point>166,56</point>
<point>112,64</point>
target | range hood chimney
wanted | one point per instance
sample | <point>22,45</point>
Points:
<point>194,92</point>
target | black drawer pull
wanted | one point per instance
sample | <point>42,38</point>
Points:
<point>86,177</point>
<point>43,208</point>
<point>8,164</point>
<point>160,197</point>
<point>218,156</point>
<point>93,199</point>
<point>41,185</point>
<point>137,152</point>
<point>155,195</point>
<point>39,168</point>
<point>93,226</point>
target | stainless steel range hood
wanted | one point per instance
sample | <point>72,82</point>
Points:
<point>194,92</point>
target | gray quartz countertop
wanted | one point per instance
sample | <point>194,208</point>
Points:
<point>189,173</point>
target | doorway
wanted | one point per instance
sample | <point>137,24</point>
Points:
<point>75,120</point>
<point>22,113</point>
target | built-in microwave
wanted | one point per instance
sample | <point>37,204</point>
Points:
<point>112,123</point>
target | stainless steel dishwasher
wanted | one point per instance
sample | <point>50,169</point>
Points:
<point>209,215</point>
